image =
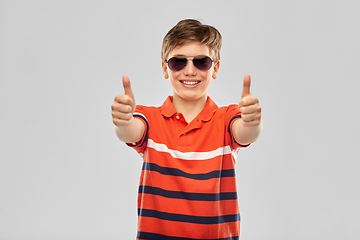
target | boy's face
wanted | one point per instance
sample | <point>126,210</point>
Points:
<point>190,83</point>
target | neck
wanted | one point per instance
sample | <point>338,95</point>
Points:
<point>189,108</point>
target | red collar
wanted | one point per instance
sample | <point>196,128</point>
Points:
<point>168,109</point>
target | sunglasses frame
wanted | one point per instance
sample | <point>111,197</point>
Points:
<point>187,59</point>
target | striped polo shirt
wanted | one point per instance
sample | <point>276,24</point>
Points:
<point>187,186</point>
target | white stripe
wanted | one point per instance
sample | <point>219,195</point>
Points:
<point>139,114</point>
<point>189,155</point>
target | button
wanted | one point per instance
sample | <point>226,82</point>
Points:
<point>184,134</point>
<point>177,117</point>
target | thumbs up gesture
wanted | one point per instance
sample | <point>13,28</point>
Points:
<point>249,105</point>
<point>124,105</point>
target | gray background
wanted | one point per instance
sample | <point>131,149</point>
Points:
<point>64,174</point>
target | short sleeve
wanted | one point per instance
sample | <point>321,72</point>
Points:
<point>140,146</point>
<point>233,113</point>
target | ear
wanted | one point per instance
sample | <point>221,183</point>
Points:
<point>165,69</point>
<point>216,69</point>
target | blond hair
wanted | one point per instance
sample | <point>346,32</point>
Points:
<point>190,30</point>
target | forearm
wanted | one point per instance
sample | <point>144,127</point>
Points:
<point>245,134</point>
<point>131,133</point>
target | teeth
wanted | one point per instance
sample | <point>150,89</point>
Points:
<point>190,83</point>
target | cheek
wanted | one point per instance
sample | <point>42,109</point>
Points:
<point>207,75</point>
<point>173,75</point>
<point>173,78</point>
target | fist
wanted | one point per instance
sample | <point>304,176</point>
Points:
<point>249,105</point>
<point>124,105</point>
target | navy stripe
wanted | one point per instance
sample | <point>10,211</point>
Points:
<point>179,173</point>
<point>188,196</point>
<point>188,218</point>
<point>147,128</point>
<point>155,236</point>
<point>229,128</point>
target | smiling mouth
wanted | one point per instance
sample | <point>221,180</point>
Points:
<point>191,83</point>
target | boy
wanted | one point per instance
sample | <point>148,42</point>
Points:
<point>189,145</point>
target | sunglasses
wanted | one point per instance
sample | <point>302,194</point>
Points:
<point>202,63</point>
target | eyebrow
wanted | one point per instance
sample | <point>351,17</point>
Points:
<point>182,55</point>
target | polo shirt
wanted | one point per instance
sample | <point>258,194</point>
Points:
<point>187,186</point>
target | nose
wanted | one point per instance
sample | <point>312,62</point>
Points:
<point>190,69</point>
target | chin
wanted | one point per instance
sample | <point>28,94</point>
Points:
<point>190,97</point>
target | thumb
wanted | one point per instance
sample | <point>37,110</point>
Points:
<point>246,86</point>
<point>127,86</point>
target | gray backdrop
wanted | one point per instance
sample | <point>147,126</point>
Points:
<point>65,175</point>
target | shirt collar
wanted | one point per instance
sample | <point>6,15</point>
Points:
<point>168,109</point>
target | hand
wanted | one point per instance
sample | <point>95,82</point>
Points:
<point>249,105</point>
<point>124,105</point>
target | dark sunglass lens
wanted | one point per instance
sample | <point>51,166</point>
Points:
<point>177,63</point>
<point>202,63</point>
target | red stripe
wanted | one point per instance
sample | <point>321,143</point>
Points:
<point>193,166</point>
<point>190,230</point>
<point>180,206</point>
<point>174,183</point>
